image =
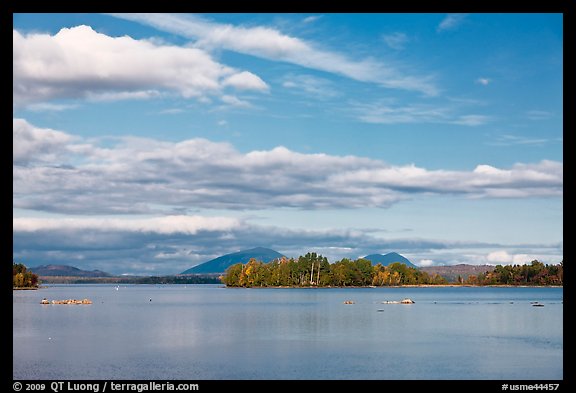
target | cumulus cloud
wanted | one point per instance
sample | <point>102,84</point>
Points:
<point>271,44</point>
<point>503,257</point>
<point>484,181</point>
<point>38,144</point>
<point>426,262</point>
<point>79,62</point>
<point>246,81</point>
<point>140,175</point>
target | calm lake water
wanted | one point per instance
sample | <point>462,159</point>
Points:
<point>198,332</point>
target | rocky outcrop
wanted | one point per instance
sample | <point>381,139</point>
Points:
<point>67,301</point>
<point>403,301</point>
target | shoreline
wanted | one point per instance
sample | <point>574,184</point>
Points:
<point>407,286</point>
<point>304,287</point>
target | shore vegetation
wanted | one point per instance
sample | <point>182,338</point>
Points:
<point>314,270</point>
<point>22,278</point>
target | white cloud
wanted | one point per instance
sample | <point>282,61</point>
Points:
<point>387,113</point>
<point>245,81</point>
<point>483,81</point>
<point>235,101</point>
<point>122,95</point>
<point>384,113</point>
<point>80,62</point>
<point>503,257</point>
<point>312,18</point>
<point>451,22</point>
<point>522,180</point>
<point>140,175</point>
<point>316,87</point>
<point>396,40</point>
<point>499,256</point>
<point>171,111</point>
<point>511,140</point>
<point>188,225</point>
<point>539,115</point>
<point>50,107</point>
<point>426,262</point>
<point>30,143</point>
<point>271,44</point>
<point>472,120</point>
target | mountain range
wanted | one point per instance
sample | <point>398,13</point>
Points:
<point>389,258</point>
<point>220,264</point>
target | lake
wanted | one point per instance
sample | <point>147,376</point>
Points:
<point>200,332</point>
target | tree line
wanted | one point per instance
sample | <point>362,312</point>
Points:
<point>314,270</point>
<point>536,273</point>
<point>22,277</point>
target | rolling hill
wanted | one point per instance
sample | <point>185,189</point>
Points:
<point>389,258</point>
<point>65,270</point>
<point>220,264</point>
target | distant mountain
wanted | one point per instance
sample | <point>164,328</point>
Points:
<point>220,264</point>
<point>68,271</point>
<point>389,258</point>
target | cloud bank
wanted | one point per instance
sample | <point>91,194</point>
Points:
<point>58,172</point>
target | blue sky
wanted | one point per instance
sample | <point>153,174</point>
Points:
<point>149,143</point>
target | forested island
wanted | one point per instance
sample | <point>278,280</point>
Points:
<point>22,278</point>
<point>314,270</point>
